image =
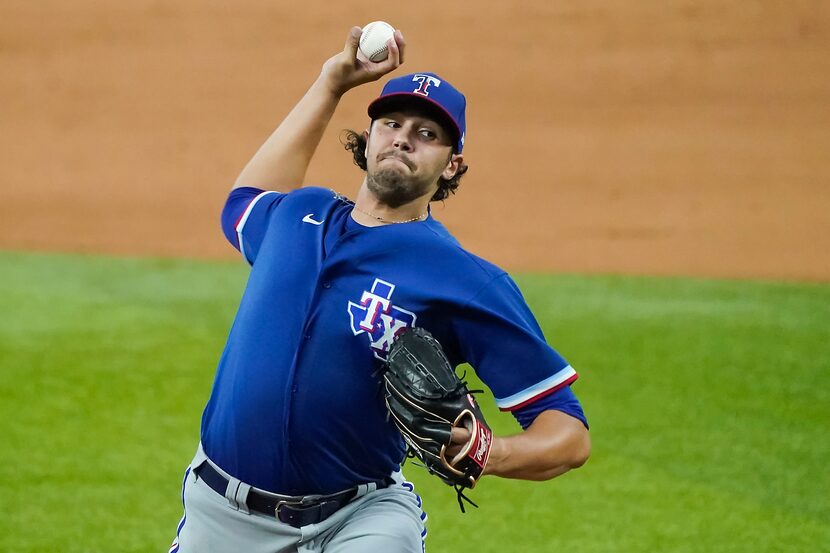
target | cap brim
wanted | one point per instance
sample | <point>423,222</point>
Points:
<point>390,102</point>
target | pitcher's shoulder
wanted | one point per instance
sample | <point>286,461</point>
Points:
<point>446,248</point>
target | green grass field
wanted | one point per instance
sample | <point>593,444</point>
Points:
<point>708,402</point>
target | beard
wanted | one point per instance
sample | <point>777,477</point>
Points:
<point>392,188</point>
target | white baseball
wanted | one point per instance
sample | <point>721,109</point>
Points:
<point>374,38</point>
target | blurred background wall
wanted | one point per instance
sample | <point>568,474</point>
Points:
<point>674,137</point>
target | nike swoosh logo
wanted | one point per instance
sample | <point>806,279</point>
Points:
<point>308,219</point>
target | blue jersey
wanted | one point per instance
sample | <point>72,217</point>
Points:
<point>297,406</point>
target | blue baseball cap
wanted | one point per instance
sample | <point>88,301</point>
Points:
<point>430,90</point>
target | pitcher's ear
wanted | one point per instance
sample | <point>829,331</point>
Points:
<point>453,165</point>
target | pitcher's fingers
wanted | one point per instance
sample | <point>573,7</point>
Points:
<point>394,58</point>
<point>400,43</point>
<point>452,451</point>
<point>352,42</point>
<point>460,435</point>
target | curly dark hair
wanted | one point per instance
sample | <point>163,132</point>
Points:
<point>355,143</point>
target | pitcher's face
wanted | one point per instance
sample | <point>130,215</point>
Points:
<point>406,154</point>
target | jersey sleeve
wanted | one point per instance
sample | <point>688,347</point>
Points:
<point>499,336</point>
<point>245,218</point>
<point>562,399</point>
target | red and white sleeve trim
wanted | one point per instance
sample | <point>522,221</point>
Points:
<point>563,378</point>
<point>240,223</point>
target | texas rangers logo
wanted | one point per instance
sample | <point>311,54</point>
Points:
<point>379,318</point>
<point>425,81</point>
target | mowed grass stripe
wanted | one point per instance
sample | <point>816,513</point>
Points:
<point>707,400</point>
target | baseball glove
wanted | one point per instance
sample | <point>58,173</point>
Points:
<point>426,400</point>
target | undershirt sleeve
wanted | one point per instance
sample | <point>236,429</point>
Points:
<point>245,218</point>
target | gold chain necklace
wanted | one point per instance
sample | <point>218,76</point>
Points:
<point>382,220</point>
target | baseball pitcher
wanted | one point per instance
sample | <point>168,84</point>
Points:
<point>340,361</point>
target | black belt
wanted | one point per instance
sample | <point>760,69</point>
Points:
<point>294,511</point>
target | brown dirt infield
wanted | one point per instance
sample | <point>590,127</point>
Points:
<point>671,137</point>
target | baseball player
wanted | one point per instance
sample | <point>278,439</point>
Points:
<point>297,452</point>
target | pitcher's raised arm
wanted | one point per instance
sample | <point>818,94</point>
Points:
<point>281,162</point>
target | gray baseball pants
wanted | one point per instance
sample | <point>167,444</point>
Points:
<point>390,520</point>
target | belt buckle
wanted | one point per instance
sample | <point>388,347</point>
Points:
<point>283,502</point>
<point>302,503</point>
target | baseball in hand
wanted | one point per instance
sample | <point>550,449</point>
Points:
<point>374,38</point>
